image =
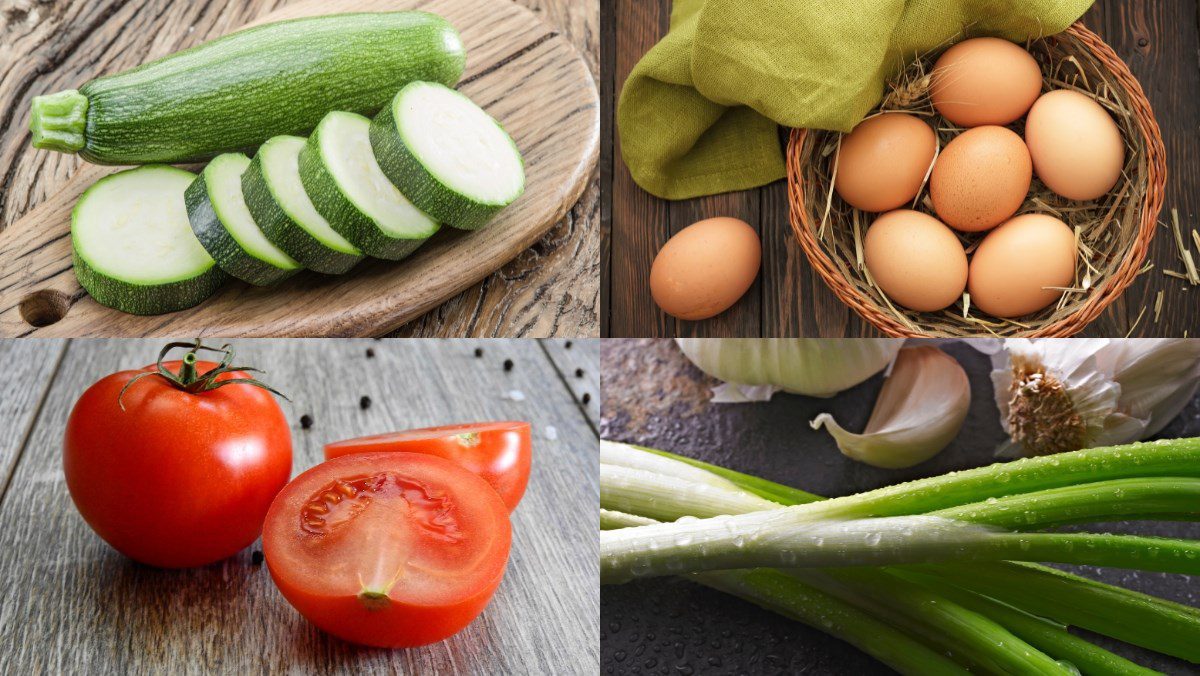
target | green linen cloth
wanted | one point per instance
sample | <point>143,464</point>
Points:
<point>699,113</point>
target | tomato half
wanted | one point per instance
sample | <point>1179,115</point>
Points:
<point>500,452</point>
<point>176,478</point>
<point>388,549</point>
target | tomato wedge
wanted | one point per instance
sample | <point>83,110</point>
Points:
<point>500,452</point>
<point>388,549</point>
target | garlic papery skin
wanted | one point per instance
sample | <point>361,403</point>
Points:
<point>756,368</point>
<point>920,410</point>
<point>1058,395</point>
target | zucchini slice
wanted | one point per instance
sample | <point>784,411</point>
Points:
<point>449,157</point>
<point>341,176</point>
<point>226,229</point>
<point>133,248</point>
<point>277,201</point>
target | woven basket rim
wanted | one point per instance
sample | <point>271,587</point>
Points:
<point>1105,292</point>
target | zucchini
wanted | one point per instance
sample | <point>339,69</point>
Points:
<point>133,248</point>
<point>449,157</point>
<point>341,176</point>
<point>235,92</point>
<point>276,199</point>
<point>226,229</point>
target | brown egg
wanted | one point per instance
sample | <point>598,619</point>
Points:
<point>705,268</point>
<point>915,260</point>
<point>1075,144</point>
<point>981,178</point>
<point>985,81</point>
<point>883,161</point>
<point>1015,263</point>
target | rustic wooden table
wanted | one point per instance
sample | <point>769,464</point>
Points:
<point>1157,38</point>
<point>551,289</point>
<point>70,605</point>
<point>655,397</point>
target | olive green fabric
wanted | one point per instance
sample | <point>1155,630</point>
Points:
<point>699,113</point>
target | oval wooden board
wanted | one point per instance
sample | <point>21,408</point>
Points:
<point>518,68</point>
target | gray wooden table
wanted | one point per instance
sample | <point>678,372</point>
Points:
<point>70,604</point>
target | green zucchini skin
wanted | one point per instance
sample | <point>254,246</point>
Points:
<point>349,222</point>
<point>235,92</point>
<point>137,299</point>
<point>285,233</point>
<point>425,191</point>
<point>221,245</point>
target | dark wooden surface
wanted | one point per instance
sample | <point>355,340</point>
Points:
<point>653,396</point>
<point>71,605</point>
<point>549,289</point>
<point>1159,39</point>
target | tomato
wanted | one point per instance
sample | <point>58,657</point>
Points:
<point>171,477</point>
<point>500,452</point>
<point>388,549</point>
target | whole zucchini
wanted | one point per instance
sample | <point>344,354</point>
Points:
<point>234,93</point>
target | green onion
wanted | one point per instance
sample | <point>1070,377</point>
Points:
<point>1156,497</point>
<point>1120,613</point>
<point>974,637</point>
<point>787,596</point>
<point>639,491</point>
<point>789,538</point>
<point>1052,639</point>
<point>1143,620</point>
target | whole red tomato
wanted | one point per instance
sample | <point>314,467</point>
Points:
<point>175,465</point>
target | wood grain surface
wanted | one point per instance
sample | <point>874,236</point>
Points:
<point>69,604</point>
<point>524,69</point>
<point>654,396</point>
<point>1158,39</point>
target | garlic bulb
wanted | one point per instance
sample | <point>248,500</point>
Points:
<point>1067,394</point>
<point>756,368</point>
<point>919,411</point>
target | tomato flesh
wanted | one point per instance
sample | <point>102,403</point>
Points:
<point>176,479</point>
<point>388,549</point>
<point>500,452</point>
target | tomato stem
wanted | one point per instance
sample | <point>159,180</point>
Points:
<point>192,382</point>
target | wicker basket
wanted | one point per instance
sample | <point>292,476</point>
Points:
<point>1119,225</point>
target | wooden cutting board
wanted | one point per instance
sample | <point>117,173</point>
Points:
<point>518,68</point>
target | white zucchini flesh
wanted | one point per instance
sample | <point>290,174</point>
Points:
<point>281,167</point>
<point>460,144</point>
<point>347,154</point>
<point>225,191</point>
<point>134,227</point>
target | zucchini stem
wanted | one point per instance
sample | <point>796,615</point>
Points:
<point>59,121</point>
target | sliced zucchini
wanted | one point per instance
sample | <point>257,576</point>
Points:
<point>226,229</point>
<point>345,183</point>
<point>276,199</point>
<point>133,248</point>
<point>449,157</point>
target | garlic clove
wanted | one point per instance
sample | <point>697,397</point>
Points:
<point>920,410</point>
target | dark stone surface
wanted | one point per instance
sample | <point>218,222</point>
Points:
<point>653,396</point>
